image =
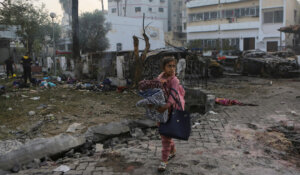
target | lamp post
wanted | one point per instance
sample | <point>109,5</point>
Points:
<point>53,15</point>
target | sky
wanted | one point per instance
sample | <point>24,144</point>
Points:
<point>84,6</point>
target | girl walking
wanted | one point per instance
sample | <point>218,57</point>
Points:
<point>169,79</point>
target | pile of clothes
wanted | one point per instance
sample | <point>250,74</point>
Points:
<point>153,94</point>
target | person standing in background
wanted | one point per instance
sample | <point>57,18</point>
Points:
<point>26,62</point>
<point>9,66</point>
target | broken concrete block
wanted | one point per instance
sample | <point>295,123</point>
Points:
<point>38,148</point>
<point>75,126</point>
<point>102,132</point>
<point>99,148</point>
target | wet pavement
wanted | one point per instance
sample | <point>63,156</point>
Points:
<point>230,140</point>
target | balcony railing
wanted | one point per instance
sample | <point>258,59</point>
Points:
<point>200,3</point>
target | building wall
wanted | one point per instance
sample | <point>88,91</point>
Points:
<point>272,3</point>
<point>145,6</point>
<point>243,27</point>
<point>124,28</point>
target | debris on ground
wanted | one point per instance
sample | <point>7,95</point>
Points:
<point>228,102</point>
<point>62,168</point>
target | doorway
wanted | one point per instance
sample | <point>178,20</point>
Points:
<point>249,43</point>
<point>272,46</point>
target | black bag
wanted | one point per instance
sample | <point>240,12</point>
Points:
<point>179,124</point>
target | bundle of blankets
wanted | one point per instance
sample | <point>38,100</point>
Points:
<point>153,93</point>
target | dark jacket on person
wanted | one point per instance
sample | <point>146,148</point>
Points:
<point>9,64</point>
<point>26,62</point>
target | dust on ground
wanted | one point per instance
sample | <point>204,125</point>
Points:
<point>57,108</point>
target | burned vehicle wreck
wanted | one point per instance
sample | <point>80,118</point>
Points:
<point>257,62</point>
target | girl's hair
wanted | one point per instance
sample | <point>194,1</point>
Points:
<point>166,60</point>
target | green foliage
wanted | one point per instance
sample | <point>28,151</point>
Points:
<point>33,22</point>
<point>93,32</point>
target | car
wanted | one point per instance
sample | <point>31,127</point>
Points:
<point>257,62</point>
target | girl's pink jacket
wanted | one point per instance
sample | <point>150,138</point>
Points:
<point>173,82</point>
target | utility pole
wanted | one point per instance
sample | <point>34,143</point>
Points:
<point>53,15</point>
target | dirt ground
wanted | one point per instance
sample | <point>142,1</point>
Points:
<point>57,108</point>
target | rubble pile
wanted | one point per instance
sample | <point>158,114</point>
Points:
<point>264,64</point>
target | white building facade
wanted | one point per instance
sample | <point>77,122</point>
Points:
<point>124,28</point>
<point>153,9</point>
<point>241,24</point>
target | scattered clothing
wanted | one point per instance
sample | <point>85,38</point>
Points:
<point>228,102</point>
<point>156,98</point>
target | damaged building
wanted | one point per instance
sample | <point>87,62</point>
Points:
<point>240,24</point>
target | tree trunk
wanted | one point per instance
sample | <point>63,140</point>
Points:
<point>137,75</point>
<point>102,5</point>
<point>139,61</point>
<point>75,32</point>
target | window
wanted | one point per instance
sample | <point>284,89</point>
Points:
<point>150,0</point>
<point>278,16</point>
<point>138,9</point>
<point>273,16</point>
<point>268,17</point>
<point>206,16</point>
<point>237,12</point>
<point>229,13</point>
<point>252,11</point>
<point>243,12</point>
<point>213,15</point>
<point>162,1</point>
<point>119,46</point>
<point>150,9</point>
<point>199,17</point>
<point>113,10</point>
<point>161,9</point>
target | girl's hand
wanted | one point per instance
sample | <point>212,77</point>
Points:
<point>150,106</point>
<point>163,108</point>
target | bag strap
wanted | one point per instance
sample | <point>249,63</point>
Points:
<point>177,100</point>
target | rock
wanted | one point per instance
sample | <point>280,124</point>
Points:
<point>9,146</point>
<point>39,148</point>
<point>70,153</point>
<point>104,131</point>
<point>62,168</point>
<point>31,113</point>
<point>252,126</point>
<point>137,133</point>
<point>145,138</point>
<point>146,123</point>
<point>16,168</point>
<point>4,172</point>
<point>60,122</point>
<point>36,126</point>
<point>9,109</point>
<point>99,148</point>
<point>75,126</point>
<point>42,106</point>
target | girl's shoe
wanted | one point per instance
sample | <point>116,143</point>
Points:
<point>171,156</point>
<point>162,166</point>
